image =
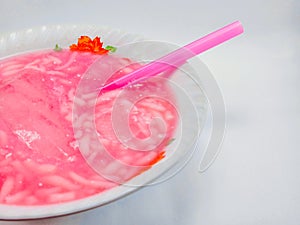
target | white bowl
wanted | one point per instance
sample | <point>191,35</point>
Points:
<point>187,86</point>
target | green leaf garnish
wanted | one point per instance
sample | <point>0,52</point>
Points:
<point>170,141</point>
<point>111,48</point>
<point>57,48</point>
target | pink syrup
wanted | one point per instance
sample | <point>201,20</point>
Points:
<point>40,161</point>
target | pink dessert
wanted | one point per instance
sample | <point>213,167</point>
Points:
<point>40,161</point>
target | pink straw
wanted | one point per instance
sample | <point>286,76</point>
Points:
<point>179,56</point>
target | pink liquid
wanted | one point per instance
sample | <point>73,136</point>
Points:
<point>40,162</point>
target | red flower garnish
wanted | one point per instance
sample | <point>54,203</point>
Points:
<point>86,44</point>
<point>159,157</point>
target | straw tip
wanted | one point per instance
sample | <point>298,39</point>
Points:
<point>239,26</point>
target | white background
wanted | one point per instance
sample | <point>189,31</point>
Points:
<point>255,179</point>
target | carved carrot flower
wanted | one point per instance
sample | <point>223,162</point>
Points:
<point>86,44</point>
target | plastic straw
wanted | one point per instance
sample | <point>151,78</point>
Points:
<point>179,56</point>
